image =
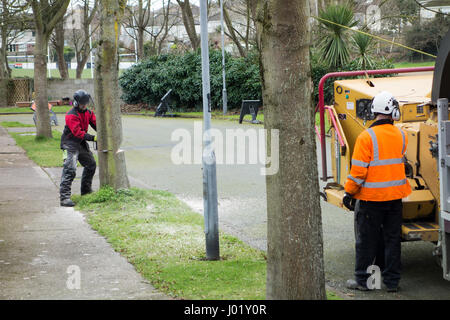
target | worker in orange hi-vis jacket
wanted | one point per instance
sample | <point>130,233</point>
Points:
<point>377,182</point>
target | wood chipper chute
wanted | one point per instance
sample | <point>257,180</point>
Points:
<point>419,91</point>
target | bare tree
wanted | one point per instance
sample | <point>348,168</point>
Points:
<point>160,25</point>
<point>46,15</point>
<point>137,18</point>
<point>141,21</point>
<point>57,40</point>
<point>13,21</point>
<point>295,250</point>
<point>168,22</point>
<point>112,167</point>
<point>80,37</point>
<point>242,8</point>
<point>189,23</point>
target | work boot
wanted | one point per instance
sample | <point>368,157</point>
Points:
<point>84,192</point>
<point>352,284</point>
<point>67,203</point>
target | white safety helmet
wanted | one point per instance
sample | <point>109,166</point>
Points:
<point>385,103</point>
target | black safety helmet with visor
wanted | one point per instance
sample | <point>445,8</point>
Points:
<point>81,98</point>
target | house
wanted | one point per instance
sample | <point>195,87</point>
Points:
<point>433,7</point>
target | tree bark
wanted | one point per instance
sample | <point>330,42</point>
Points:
<point>81,39</point>
<point>43,127</point>
<point>4,79</point>
<point>189,24</point>
<point>295,250</point>
<point>232,33</point>
<point>46,16</point>
<point>140,43</point>
<point>81,63</point>
<point>59,47</point>
<point>4,76</point>
<point>109,124</point>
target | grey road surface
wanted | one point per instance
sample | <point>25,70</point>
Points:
<point>242,205</point>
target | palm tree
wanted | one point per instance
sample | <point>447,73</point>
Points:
<point>364,44</point>
<point>334,45</point>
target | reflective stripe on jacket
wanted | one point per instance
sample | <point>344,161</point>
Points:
<point>378,171</point>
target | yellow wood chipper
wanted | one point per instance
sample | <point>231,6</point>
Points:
<point>423,95</point>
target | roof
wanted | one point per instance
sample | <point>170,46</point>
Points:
<point>435,3</point>
<point>406,89</point>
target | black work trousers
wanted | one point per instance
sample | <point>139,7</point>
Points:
<point>378,224</point>
<point>86,159</point>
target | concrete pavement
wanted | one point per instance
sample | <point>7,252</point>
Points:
<point>49,252</point>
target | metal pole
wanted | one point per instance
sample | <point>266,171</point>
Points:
<point>444,174</point>
<point>224,93</point>
<point>209,158</point>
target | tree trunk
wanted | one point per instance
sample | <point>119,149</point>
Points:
<point>109,124</point>
<point>46,17</point>
<point>295,250</point>
<point>253,5</point>
<point>189,24</point>
<point>59,46</point>
<point>43,128</point>
<point>4,74</point>
<point>4,77</point>
<point>81,64</point>
<point>3,86</point>
<point>232,33</point>
<point>140,43</point>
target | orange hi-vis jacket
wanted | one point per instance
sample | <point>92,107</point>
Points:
<point>378,171</point>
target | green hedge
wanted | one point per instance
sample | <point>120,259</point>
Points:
<point>148,81</point>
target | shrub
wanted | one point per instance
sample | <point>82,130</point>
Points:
<point>150,79</point>
<point>428,35</point>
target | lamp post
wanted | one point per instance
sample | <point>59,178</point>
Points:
<point>208,157</point>
<point>224,92</point>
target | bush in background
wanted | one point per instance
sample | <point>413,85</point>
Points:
<point>149,80</point>
<point>427,36</point>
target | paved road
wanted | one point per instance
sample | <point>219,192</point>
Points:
<point>242,206</point>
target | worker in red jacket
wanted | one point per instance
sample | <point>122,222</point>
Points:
<point>75,148</point>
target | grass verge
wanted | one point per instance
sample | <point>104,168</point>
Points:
<point>218,115</point>
<point>414,64</point>
<point>19,73</point>
<point>15,124</point>
<point>28,110</point>
<point>164,240</point>
<point>46,152</point>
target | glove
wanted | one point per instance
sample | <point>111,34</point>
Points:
<point>89,137</point>
<point>349,201</point>
<point>95,138</point>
